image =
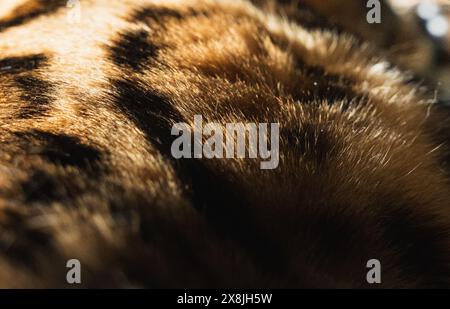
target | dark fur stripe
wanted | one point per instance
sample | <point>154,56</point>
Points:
<point>24,15</point>
<point>322,86</point>
<point>133,50</point>
<point>302,13</point>
<point>61,149</point>
<point>319,85</point>
<point>35,92</point>
<point>231,215</point>
<point>150,111</point>
<point>16,65</point>
<point>42,187</point>
<point>27,241</point>
<point>152,14</point>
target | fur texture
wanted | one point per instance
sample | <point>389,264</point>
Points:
<point>86,110</point>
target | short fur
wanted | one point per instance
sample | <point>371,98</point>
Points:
<point>86,172</point>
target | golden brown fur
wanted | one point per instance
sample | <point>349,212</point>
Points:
<point>85,115</point>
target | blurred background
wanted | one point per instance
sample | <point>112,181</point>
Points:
<point>432,18</point>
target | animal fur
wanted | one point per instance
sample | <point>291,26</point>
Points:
<point>86,172</point>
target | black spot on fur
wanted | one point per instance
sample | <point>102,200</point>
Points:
<point>15,65</point>
<point>36,93</point>
<point>43,7</point>
<point>60,149</point>
<point>133,50</point>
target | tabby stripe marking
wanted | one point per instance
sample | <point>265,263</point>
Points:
<point>16,65</point>
<point>32,10</point>
<point>60,149</point>
<point>35,92</point>
<point>133,50</point>
<point>156,14</point>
